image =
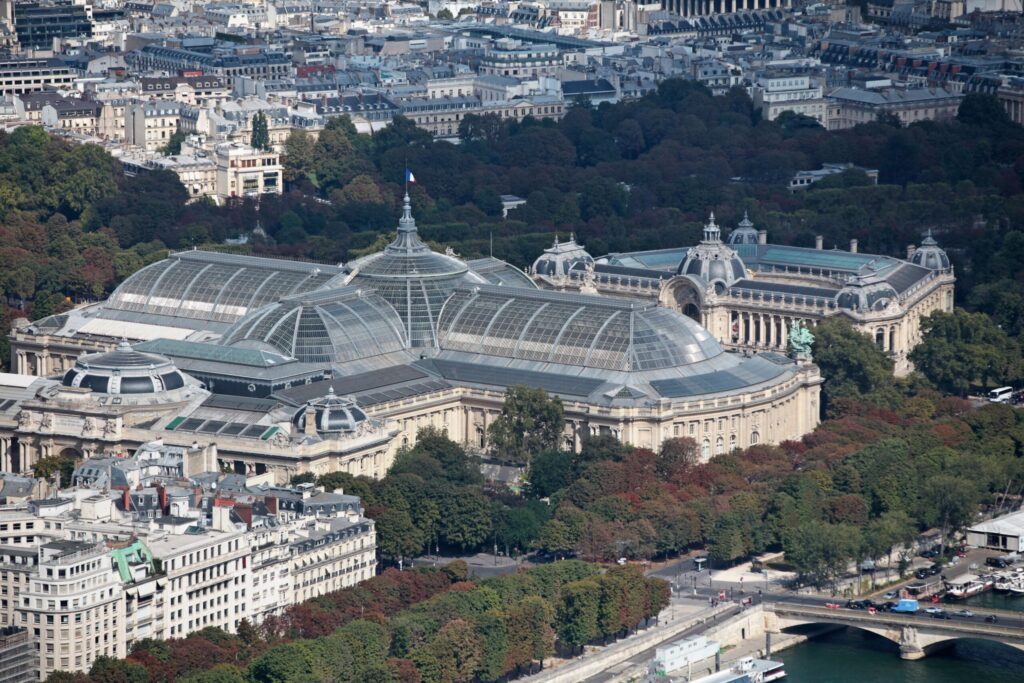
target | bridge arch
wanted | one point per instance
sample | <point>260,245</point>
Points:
<point>1014,649</point>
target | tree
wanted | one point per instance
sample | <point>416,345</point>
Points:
<point>112,670</point>
<point>577,613</point>
<point>822,552</point>
<point>677,455</point>
<point>888,118</point>
<point>46,468</point>
<point>962,349</point>
<point>530,422</point>
<point>298,154</point>
<point>260,132</point>
<point>222,673</point>
<point>173,145</point>
<point>550,471</point>
<point>979,109</point>
<point>950,503</point>
<point>288,663</point>
<point>453,656</point>
<point>445,14</point>
<point>855,369</point>
<point>883,534</point>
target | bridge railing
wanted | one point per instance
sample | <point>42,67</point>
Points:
<point>919,620</point>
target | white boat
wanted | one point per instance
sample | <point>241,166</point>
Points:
<point>967,587</point>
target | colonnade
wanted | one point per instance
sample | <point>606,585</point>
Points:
<point>701,8</point>
<point>761,330</point>
<point>41,363</point>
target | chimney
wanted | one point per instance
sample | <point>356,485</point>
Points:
<point>910,251</point>
<point>762,237</point>
<point>162,492</point>
<point>819,242</point>
<point>853,246</point>
<point>271,503</point>
<point>127,500</point>
<point>310,421</point>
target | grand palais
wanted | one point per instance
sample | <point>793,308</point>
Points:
<point>271,365</point>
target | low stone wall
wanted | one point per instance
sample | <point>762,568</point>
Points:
<point>606,658</point>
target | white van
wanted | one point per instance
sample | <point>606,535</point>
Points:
<point>1000,395</point>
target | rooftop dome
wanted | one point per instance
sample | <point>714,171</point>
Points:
<point>413,278</point>
<point>744,232</point>
<point>712,260</point>
<point>558,260</point>
<point>333,414</point>
<point>869,295</point>
<point>930,254</point>
<point>124,371</point>
<point>571,329</point>
<point>327,326</point>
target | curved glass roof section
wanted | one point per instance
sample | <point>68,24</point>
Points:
<point>413,278</point>
<point>568,329</point>
<point>328,326</point>
<point>217,287</point>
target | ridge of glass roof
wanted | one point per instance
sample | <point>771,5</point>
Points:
<point>213,352</point>
<point>548,295</point>
<point>274,263</point>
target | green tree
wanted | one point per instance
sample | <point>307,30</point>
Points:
<point>298,154</point>
<point>445,14</point>
<point>962,349</point>
<point>112,670</point>
<point>980,109</point>
<point>530,422</point>
<point>550,471</point>
<point>222,673</point>
<point>287,663</point>
<point>578,612</point>
<point>173,145</point>
<point>260,138</point>
<point>822,552</point>
<point>46,468</point>
<point>855,369</point>
<point>950,503</point>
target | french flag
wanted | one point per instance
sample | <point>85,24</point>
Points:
<point>409,177</point>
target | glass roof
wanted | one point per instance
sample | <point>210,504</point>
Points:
<point>556,327</point>
<point>216,287</point>
<point>412,278</point>
<point>328,326</point>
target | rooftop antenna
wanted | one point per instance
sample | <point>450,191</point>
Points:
<point>491,234</point>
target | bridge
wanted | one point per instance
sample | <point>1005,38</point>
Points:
<point>916,634</point>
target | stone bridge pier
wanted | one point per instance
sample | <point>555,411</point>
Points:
<point>916,636</point>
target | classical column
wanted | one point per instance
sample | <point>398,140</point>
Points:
<point>20,369</point>
<point>783,333</point>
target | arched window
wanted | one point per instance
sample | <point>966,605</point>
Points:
<point>481,437</point>
<point>719,446</point>
<point>754,438</point>
<point>892,338</point>
<point>880,338</point>
<point>732,442</point>
<point>705,450</point>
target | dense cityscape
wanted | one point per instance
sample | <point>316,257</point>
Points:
<point>556,341</point>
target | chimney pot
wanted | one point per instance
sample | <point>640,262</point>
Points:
<point>762,237</point>
<point>819,242</point>
<point>853,246</point>
<point>910,251</point>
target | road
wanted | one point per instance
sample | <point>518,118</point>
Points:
<point>648,654</point>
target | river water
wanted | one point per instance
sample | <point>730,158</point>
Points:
<point>855,656</point>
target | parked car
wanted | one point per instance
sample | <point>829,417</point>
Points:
<point>922,573</point>
<point>891,595</point>
<point>935,569</point>
<point>997,562</point>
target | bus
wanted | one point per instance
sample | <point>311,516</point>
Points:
<point>1000,395</point>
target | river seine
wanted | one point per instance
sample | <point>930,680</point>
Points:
<point>854,656</point>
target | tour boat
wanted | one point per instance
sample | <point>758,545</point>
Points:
<point>968,587</point>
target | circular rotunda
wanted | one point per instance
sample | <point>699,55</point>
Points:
<point>712,260</point>
<point>930,255</point>
<point>124,371</point>
<point>332,414</point>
